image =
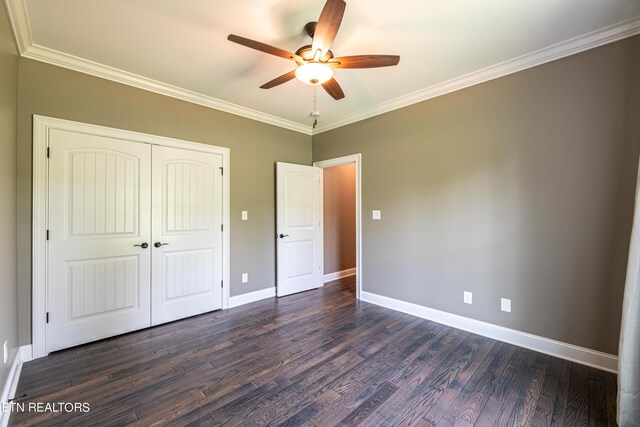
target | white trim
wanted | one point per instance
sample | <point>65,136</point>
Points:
<point>250,297</point>
<point>39,220</point>
<point>347,160</point>
<point>591,40</point>
<point>9,390</point>
<point>339,274</point>
<point>41,127</point>
<point>574,353</point>
<point>226,220</point>
<point>65,60</point>
<point>19,17</point>
<point>26,353</point>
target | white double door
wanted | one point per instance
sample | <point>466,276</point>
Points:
<point>135,236</point>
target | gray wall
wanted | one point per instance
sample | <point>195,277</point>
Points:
<point>8,274</point>
<point>339,206</point>
<point>520,188</point>
<point>255,147</point>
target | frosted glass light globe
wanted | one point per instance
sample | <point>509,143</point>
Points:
<point>314,73</point>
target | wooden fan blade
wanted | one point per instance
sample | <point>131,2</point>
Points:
<point>364,61</point>
<point>263,47</point>
<point>333,88</point>
<point>328,25</point>
<point>279,80</point>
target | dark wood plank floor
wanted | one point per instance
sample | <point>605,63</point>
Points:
<point>319,358</point>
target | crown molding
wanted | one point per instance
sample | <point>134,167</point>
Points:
<point>560,50</point>
<point>19,18</point>
<point>54,57</point>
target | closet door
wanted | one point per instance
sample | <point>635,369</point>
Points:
<point>99,248</point>
<point>187,235</point>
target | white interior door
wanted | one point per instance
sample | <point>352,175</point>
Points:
<point>299,228</point>
<point>187,233</point>
<point>99,210</point>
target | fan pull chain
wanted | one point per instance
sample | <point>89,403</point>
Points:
<point>314,112</point>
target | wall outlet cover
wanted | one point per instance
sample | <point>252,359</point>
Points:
<point>468,297</point>
<point>377,215</point>
<point>505,305</point>
<point>245,215</point>
<point>6,352</point>
<point>245,277</point>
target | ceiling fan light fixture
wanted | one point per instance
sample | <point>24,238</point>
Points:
<point>314,73</point>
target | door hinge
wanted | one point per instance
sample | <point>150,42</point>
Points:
<point>47,234</point>
<point>222,283</point>
<point>221,227</point>
<point>48,152</point>
<point>221,170</point>
<point>47,317</point>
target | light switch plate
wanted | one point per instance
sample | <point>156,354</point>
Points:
<point>505,305</point>
<point>245,277</point>
<point>468,297</point>
<point>376,215</point>
<point>245,215</point>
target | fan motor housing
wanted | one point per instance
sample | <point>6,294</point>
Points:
<point>307,54</point>
<point>305,51</point>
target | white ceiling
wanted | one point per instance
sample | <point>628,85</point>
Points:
<point>182,44</point>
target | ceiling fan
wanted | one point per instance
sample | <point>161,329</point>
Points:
<point>315,61</point>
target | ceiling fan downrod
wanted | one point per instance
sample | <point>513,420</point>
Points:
<point>310,28</point>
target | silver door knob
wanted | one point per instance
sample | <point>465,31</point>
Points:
<point>158,244</point>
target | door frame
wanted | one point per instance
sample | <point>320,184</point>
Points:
<point>348,160</point>
<point>40,209</point>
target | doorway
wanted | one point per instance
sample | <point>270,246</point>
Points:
<point>342,218</point>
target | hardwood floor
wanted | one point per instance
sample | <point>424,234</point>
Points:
<point>319,358</point>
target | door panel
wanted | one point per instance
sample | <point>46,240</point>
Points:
<point>187,212</point>
<point>99,208</point>
<point>104,193</point>
<point>188,204</point>
<point>299,221</point>
<point>102,286</point>
<point>187,273</point>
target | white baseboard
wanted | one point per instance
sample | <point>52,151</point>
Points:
<point>26,353</point>
<point>339,274</point>
<point>574,353</point>
<point>9,390</point>
<point>243,299</point>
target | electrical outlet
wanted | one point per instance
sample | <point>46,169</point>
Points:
<point>468,297</point>
<point>245,215</point>
<point>376,215</point>
<point>505,305</point>
<point>245,277</point>
<point>6,352</point>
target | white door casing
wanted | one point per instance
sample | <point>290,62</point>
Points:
<point>99,209</point>
<point>187,234</point>
<point>355,159</point>
<point>299,228</point>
